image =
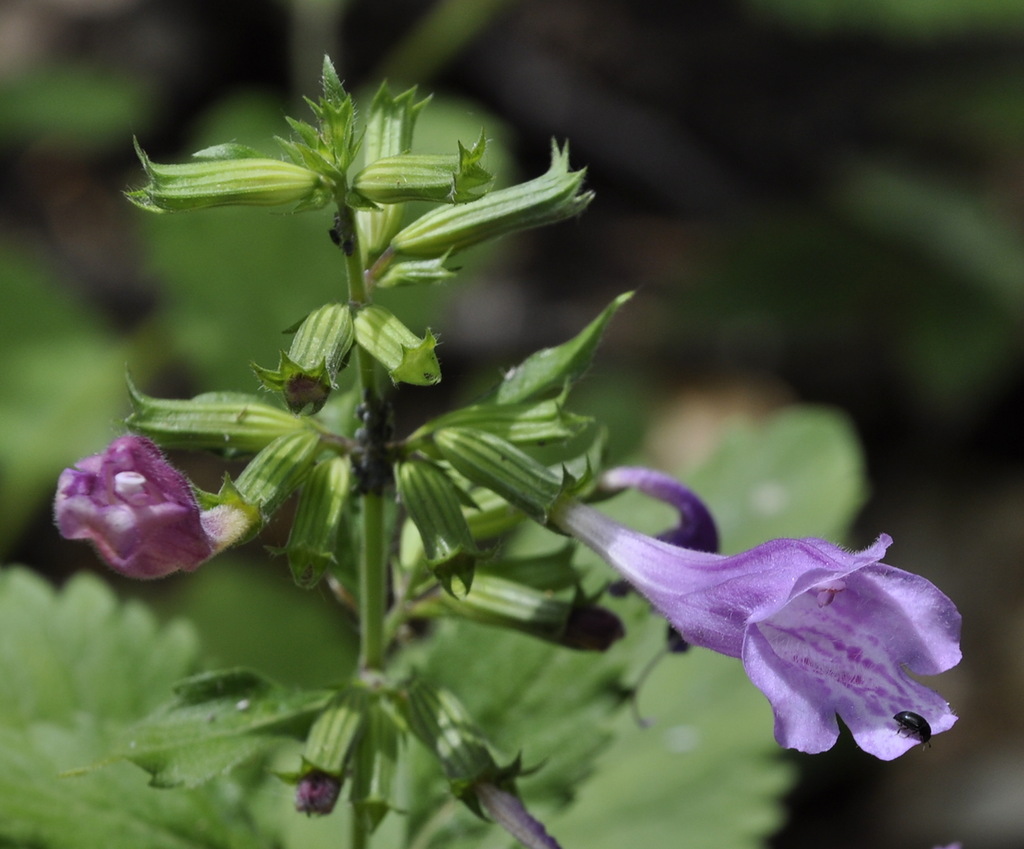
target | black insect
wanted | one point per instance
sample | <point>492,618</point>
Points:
<point>914,724</point>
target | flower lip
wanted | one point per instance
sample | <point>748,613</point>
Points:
<point>137,510</point>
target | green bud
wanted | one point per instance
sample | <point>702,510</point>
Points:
<point>306,374</point>
<point>232,423</point>
<point>278,470</point>
<point>313,539</point>
<point>228,175</point>
<point>552,197</point>
<point>434,505</point>
<point>436,178</point>
<point>330,147</point>
<point>389,131</point>
<point>494,600</point>
<point>498,465</point>
<point>443,725</point>
<point>407,358</point>
<point>533,423</point>
<point>373,766</point>
<point>332,738</point>
<point>416,272</point>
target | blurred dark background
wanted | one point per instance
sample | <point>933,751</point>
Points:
<point>818,200</point>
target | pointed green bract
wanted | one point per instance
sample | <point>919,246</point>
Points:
<point>332,738</point>
<point>407,358</point>
<point>552,368</point>
<point>500,466</point>
<point>278,470</point>
<point>313,539</point>
<point>306,375</point>
<point>444,726</point>
<point>435,508</point>
<point>226,422</point>
<point>434,178</point>
<point>214,181</point>
<point>552,197</point>
<point>374,766</point>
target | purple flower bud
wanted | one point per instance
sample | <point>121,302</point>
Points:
<point>821,631</point>
<point>136,509</point>
<point>510,813</point>
<point>592,628</point>
<point>317,793</point>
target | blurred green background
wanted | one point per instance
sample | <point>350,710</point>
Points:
<point>818,200</point>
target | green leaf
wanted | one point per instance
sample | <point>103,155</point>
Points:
<point>74,667</point>
<point>705,774</point>
<point>219,720</point>
<point>800,474</point>
<point>550,369</point>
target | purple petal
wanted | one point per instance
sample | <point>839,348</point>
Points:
<point>696,529</point>
<point>137,509</point>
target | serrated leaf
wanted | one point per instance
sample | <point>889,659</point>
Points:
<point>74,666</point>
<point>218,721</point>
<point>550,369</point>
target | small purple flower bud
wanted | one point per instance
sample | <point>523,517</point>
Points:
<point>509,812</point>
<point>592,628</point>
<point>317,793</point>
<point>136,509</point>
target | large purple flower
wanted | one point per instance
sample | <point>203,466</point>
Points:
<point>821,630</point>
<point>137,509</point>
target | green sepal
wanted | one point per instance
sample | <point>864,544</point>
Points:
<point>497,601</point>
<point>307,373</point>
<point>528,423</point>
<point>313,540</point>
<point>496,464</point>
<point>492,516</point>
<point>549,572</point>
<point>374,765</point>
<point>443,725</point>
<point>333,736</point>
<point>415,272</point>
<point>554,196</point>
<point>246,516</point>
<point>553,368</point>
<point>434,504</point>
<point>407,357</point>
<point>213,180</point>
<point>389,132</point>
<point>435,178</point>
<point>225,422</point>
<point>278,470</point>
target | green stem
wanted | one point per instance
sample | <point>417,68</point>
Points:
<point>373,576</point>
<point>372,584</point>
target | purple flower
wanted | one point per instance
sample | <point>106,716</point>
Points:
<point>821,631</point>
<point>138,510</point>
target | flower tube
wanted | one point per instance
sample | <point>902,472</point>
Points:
<point>821,631</point>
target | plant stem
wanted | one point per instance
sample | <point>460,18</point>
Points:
<point>372,584</point>
<point>373,577</point>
